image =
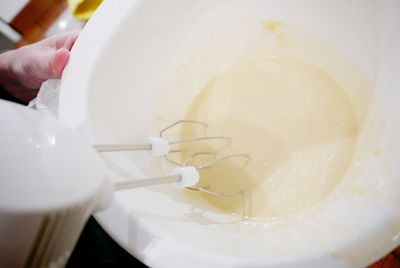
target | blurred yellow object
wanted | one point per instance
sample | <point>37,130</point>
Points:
<point>83,9</point>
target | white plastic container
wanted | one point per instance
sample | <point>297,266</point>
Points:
<point>138,61</point>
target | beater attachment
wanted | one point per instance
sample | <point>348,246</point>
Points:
<point>185,175</point>
<point>160,146</point>
<point>209,164</point>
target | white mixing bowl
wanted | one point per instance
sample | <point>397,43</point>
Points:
<point>137,64</point>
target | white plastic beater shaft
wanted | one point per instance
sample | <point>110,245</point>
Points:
<point>122,147</point>
<point>146,182</point>
<point>156,145</point>
<point>182,176</point>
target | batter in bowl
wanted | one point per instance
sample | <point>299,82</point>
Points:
<point>295,122</point>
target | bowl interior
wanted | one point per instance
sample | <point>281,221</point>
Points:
<point>152,60</point>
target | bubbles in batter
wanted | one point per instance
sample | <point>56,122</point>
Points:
<point>295,122</point>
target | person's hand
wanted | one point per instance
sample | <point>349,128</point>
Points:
<point>23,70</point>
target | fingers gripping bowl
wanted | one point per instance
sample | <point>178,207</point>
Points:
<point>131,75</point>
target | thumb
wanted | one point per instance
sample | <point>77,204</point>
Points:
<point>58,62</point>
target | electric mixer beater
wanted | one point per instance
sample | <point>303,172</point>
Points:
<point>45,203</point>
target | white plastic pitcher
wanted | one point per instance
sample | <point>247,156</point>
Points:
<point>122,78</point>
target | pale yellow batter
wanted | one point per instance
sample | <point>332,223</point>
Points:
<point>294,121</point>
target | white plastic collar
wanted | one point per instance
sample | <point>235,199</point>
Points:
<point>159,146</point>
<point>189,176</point>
